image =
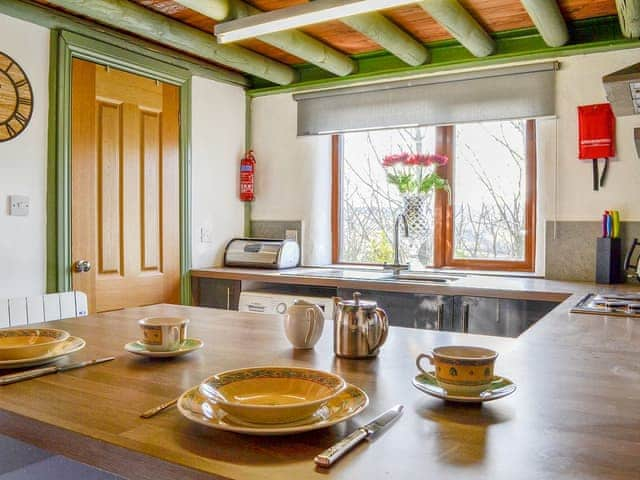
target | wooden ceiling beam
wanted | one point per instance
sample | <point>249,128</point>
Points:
<point>548,19</point>
<point>459,22</point>
<point>629,16</point>
<point>133,18</point>
<point>390,37</point>
<point>291,41</point>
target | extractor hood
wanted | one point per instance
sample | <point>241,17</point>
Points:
<point>623,90</point>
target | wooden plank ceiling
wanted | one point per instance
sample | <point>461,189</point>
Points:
<point>493,15</point>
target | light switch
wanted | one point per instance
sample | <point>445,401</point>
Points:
<point>18,205</point>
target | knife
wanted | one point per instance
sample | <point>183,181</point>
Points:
<point>368,431</point>
<point>39,372</point>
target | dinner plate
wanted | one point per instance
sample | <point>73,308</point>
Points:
<point>197,408</point>
<point>69,346</point>
<point>189,345</point>
<point>500,387</point>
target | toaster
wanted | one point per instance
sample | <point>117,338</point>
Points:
<point>262,253</point>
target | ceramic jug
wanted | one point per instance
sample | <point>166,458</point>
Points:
<point>360,328</point>
<point>303,324</point>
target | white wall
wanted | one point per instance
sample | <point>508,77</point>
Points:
<point>217,144</point>
<point>580,83</point>
<point>218,130</point>
<point>293,175</point>
<point>23,166</point>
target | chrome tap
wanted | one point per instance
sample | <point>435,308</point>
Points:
<point>396,266</point>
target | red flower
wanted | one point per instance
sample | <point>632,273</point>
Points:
<point>414,159</point>
<point>391,160</point>
<point>438,159</point>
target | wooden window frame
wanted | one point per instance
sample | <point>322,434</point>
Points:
<point>443,209</point>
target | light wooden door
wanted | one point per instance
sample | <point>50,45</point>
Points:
<point>125,187</point>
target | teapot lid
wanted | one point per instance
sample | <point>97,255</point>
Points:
<point>357,303</point>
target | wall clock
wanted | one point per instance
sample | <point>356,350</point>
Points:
<point>16,99</point>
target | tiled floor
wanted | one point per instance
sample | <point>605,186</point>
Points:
<point>21,461</point>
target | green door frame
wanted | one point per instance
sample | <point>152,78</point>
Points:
<point>65,46</point>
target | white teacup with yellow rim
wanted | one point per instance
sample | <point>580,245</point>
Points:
<point>163,334</point>
<point>461,370</point>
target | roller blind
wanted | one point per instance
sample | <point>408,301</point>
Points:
<point>497,94</point>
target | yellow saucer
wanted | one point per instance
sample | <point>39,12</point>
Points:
<point>197,408</point>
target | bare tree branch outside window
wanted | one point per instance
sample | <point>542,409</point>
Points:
<point>488,192</point>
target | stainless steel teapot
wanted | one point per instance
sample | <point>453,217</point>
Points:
<point>360,327</point>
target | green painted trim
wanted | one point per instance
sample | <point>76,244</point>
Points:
<point>587,36</point>
<point>248,143</point>
<point>52,154</point>
<point>65,46</point>
<point>185,192</point>
<point>32,12</point>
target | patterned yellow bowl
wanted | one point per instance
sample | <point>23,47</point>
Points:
<point>23,343</point>
<point>271,395</point>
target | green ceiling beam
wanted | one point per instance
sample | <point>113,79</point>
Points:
<point>154,26</point>
<point>548,19</point>
<point>291,41</point>
<point>629,15</point>
<point>459,23</point>
<point>587,36</point>
<point>390,37</point>
<point>56,20</point>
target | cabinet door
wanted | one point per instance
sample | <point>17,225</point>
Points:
<point>430,312</point>
<point>497,316</point>
<point>216,293</point>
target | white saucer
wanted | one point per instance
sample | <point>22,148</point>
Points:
<point>197,408</point>
<point>500,387</point>
<point>189,345</point>
<point>69,346</point>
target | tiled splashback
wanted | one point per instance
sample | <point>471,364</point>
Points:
<point>572,254</point>
<point>275,228</point>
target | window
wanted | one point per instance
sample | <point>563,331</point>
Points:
<point>485,221</point>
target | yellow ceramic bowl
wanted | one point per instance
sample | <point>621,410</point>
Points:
<point>24,343</point>
<point>271,394</point>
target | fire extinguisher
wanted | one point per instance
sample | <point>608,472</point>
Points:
<point>247,174</point>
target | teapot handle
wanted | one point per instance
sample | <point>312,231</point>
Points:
<point>310,313</point>
<point>313,314</point>
<point>384,321</point>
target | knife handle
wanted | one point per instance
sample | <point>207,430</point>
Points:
<point>333,453</point>
<point>18,377</point>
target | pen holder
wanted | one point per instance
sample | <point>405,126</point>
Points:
<point>609,260</point>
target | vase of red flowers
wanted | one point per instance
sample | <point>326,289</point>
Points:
<point>415,176</point>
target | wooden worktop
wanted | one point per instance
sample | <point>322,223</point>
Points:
<point>575,413</point>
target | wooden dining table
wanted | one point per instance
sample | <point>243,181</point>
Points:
<point>575,414</point>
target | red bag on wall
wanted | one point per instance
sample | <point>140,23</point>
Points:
<point>596,137</point>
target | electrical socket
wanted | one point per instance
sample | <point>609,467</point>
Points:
<point>206,234</point>
<point>291,235</point>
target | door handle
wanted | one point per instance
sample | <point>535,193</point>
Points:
<point>465,318</point>
<point>82,266</point>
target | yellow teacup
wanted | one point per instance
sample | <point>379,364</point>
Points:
<point>163,334</point>
<point>461,370</point>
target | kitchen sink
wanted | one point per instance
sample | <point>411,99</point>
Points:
<point>346,273</point>
<point>428,276</point>
<point>355,274</point>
